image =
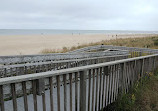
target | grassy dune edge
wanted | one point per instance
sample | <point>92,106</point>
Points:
<point>142,97</point>
<point>145,42</point>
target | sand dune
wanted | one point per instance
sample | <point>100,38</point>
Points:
<point>33,44</point>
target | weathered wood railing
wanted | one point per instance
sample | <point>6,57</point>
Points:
<point>105,81</point>
<point>54,57</point>
<point>21,69</point>
<point>131,49</point>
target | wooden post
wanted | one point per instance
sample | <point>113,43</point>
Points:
<point>25,96</point>
<point>34,95</point>
<point>83,90</point>
<point>76,91</point>
<point>110,85</point>
<point>142,70</point>
<point>1,99</point>
<point>70,78</point>
<point>65,93</point>
<point>127,76</point>
<point>58,91</point>
<point>51,93</point>
<point>124,79</point>
<point>140,53</point>
<point>135,71</point>
<point>154,62</point>
<point>93,85</point>
<point>89,90</point>
<point>40,86</point>
<point>21,70</point>
<point>106,84</point>
<point>121,87</point>
<point>96,88</point>
<point>40,83</point>
<point>117,84</point>
<point>13,90</point>
<point>132,72</point>
<point>103,86</point>
<point>100,88</point>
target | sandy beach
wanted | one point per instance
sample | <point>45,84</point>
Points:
<point>34,44</point>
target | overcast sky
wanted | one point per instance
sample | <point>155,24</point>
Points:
<point>79,14</point>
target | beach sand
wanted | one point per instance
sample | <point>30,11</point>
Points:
<point>34,44</point>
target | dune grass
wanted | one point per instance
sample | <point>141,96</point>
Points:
<point>142,97</point>
<point>146,42</point>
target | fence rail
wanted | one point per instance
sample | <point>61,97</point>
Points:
<point>54,57</point>
<point>21,69</point>
<point>95,85</point>
<point>132,49</point>
<point>119,50</point>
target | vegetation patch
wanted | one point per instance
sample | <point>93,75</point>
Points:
<point>142,97</point>
<point>156,42</point>
<point>146,42</point>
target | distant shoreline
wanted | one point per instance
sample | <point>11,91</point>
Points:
<point>62,31</point>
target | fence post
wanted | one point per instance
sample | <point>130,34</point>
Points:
<point>40,82</point>
<point>1,99</point>
<point>21,71</point>
<point>135,71</point>
<point>142,70</point>
<point>154,61</point>
<point>121,85</point>
<point>40,86</point>
<point>83,90</point>
<point>140,53</point>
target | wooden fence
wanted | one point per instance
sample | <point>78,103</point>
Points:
<point>111,47</point>
<point>21,69</point>
<point>95,85</point>
<point>8,60</point>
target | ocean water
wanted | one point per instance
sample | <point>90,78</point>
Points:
<point>55,31</point>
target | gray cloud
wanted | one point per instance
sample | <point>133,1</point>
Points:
<point>79,14</point>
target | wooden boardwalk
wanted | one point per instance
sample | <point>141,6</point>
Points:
<point>89,86</point>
